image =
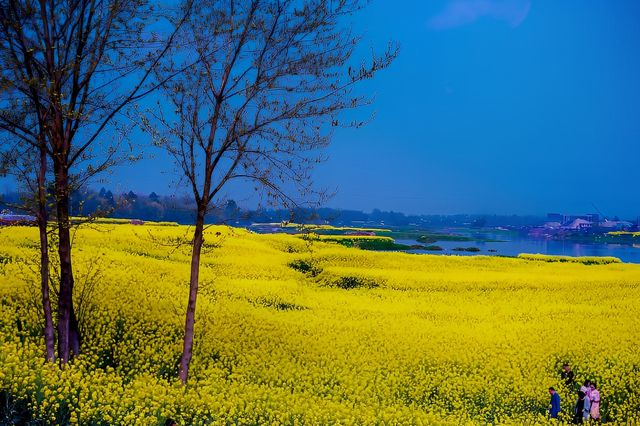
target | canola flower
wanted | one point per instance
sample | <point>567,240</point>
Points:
<point>633,234</point>
<point>305,332</point>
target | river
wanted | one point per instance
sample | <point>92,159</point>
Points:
<point>512,245</point>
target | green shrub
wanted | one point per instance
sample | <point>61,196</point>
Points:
<point>351,282</point>
<point>306,267</point>
<point>586,260</point>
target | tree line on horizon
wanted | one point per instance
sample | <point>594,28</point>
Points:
<point>179,209</point>
<point>231,90</point>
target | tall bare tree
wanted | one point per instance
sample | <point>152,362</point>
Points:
<point>74,65</point>
<point>271,78</point>
<point>17,159</point>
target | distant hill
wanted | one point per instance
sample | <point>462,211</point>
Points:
<point>154,207</point>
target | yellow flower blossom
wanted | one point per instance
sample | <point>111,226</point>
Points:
<point>305,332</point>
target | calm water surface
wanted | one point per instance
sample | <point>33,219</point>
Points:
<point>514,245</point>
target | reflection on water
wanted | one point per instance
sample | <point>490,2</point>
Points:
<point>514,245</point>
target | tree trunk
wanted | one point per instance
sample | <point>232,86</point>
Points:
<point>68,332</point>
<point>187,349</point>
<point>49,337</point>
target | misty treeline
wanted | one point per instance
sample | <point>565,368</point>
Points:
<point>240,90</point>
<point>180,209</point>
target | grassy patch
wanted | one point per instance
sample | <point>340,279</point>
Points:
<point>306,267</point>
<point>587,260</point>
<point>278,304</point>
<point>352,282</point>
<point>366,242</point>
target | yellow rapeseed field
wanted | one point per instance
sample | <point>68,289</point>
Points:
<point>299,331</point>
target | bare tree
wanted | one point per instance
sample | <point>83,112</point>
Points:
<point>271,78</point>
<point>17,159</point>
<point>73,66</point>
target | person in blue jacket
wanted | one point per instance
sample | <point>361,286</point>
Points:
<point>555,404</point>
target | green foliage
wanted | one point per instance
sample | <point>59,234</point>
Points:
<point>306,267</point>
<point>467,249</point>
<point>351,282</point>
<point>14,411</point>
<point>368,243</point>
<point>278,304</point>
<point>587,260</point>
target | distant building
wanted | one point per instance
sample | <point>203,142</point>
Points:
<point>554,217</point>
<point>593,217</point>
<point>566,219</point>
<point>578,224</point>
<point>616,225</point>
<point>570,218</point>
<point>9,219</point>
<point>552,225</point>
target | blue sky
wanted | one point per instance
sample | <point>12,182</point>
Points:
<point>494,106</point>
<point>499,106</point>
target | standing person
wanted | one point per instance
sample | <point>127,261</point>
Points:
<point>587,408</point>
<point>595,403</point>
<point>555,404</point>
<point>586,388</point>
<point>567,375</point>
<point>578,410</point>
